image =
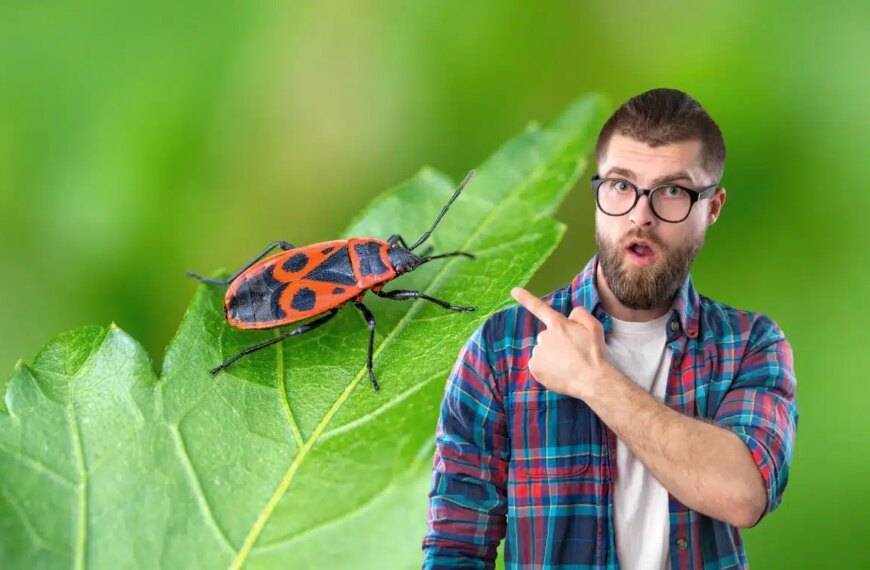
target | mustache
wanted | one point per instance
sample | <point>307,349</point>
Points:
<point>628,239</point>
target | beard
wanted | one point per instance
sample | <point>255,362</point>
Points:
<point>650,287</point>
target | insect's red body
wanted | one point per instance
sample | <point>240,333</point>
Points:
<point>316,280</point>
<point>291,286</point>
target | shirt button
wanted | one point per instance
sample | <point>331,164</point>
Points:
<point>675,325</point>
<point>682,543</point>
<point>691,332</point>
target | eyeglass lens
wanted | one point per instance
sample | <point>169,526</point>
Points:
<point>616,198</point>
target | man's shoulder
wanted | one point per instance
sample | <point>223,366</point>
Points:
<point>725,323</point>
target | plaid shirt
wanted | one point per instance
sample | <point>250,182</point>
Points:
<point>515,460</point>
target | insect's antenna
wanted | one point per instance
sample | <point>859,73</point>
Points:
<point>443,210</point>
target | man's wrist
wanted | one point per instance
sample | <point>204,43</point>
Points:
<point>598,383</point>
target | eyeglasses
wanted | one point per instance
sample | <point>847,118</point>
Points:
<point>669,202</point>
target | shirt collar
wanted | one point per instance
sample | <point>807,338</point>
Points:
<point>685,309</point>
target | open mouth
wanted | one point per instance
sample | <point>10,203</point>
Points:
<point>641,253</point>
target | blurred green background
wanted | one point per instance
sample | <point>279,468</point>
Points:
<point>141,139</point>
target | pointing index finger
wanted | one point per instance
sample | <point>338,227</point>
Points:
<point>537,307</point>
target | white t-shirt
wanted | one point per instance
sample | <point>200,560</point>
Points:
<point>640,502</point>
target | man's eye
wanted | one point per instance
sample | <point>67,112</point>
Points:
<point>622,185</point>
<point>673,191</point>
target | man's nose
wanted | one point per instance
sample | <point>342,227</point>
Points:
<point>642,213</point>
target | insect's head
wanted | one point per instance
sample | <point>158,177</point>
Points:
<point>403,260</point>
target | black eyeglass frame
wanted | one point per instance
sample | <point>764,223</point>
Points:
<point>694,196</point>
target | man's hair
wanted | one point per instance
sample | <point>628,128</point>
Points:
<point>663,116</point>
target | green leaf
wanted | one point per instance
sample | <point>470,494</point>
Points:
<point>288,458</point>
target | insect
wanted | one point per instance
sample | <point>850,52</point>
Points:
<point>317,280</point>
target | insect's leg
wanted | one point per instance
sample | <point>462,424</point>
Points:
<point>282,244</point>
<point>303,329</point>
<point>397,238</point>
<point>400,294</point>
<point>370,318</point>
<point>427,259</point>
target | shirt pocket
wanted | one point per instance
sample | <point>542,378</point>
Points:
<point>551,435</point>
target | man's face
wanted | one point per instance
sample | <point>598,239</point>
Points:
<point>646,284</point>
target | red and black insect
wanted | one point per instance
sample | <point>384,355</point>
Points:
<point>318,279</point>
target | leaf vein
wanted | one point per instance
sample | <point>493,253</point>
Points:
<point>418,458</point>
<point>81,523</point>
<point>38,465</point>
<point>201,499</point>
<point>380,410</point>
<point>31,530</point>
<point>282,392</point>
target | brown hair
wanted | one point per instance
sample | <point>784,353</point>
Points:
<point>662,116</point>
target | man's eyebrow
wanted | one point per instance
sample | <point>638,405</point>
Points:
<point>682,175</point>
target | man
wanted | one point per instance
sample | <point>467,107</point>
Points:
<point>625,420</point>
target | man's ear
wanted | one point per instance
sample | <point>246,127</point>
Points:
<point>716,203</point>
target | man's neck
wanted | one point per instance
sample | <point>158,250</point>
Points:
<point>617,310</point>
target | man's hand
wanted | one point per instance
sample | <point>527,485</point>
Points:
<point>569,357</point>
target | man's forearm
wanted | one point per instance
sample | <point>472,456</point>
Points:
<point>706,467</point>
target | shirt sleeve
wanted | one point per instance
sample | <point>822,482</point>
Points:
<point>467,500</point>
<point>761,408</point>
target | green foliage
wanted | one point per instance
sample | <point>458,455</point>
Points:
<point>288,457</point>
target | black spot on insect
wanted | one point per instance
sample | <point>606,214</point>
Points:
<point>370,262</point>
<point>295,263</point>
<point>327,249</point>
<point>304,299</point>
<point>338,290</point>
<point>334,269</point>
<point>257,299</point>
